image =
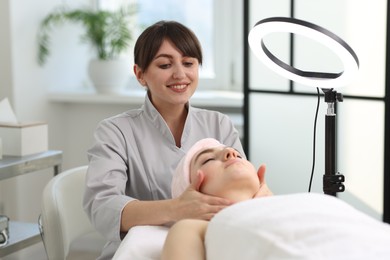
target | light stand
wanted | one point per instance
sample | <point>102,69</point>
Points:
<point>332,181</point>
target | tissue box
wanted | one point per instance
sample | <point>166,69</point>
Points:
<point>24,139</point>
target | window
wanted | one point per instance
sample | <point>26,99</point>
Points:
<point>281,112</point>
<point>215,25</point>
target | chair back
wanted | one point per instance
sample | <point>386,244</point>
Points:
<point>63,218</point>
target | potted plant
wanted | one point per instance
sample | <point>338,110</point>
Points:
<point>107,32</point>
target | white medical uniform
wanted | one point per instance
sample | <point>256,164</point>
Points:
<point>134,156</point>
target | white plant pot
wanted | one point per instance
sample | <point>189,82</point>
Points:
<point>109,76</point>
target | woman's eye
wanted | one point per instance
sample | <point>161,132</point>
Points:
<point>164,66</point>
<point>188,64</point>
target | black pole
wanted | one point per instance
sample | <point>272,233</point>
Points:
<point>246,80</point>
<point>386,170</point>
<point>330,152</point>
<point>332,180</point>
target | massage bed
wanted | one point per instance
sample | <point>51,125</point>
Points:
<point>295,226</point>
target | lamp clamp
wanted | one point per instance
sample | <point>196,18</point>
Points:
<point>333,183</point>
<point>332,96</point>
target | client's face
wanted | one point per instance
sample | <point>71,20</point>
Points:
<point>226,173</point>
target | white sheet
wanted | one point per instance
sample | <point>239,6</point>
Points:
<point>296,226</point>
<point>142,243</point>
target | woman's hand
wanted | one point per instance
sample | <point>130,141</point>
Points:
<point>264,191</point>
<point>194,204</point>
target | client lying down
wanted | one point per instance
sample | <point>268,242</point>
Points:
<point>146,242</point>
<point>221,172</point>
<point>296,226</point>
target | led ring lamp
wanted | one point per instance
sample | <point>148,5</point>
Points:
<point>332,181</point>
<point>314,32</point>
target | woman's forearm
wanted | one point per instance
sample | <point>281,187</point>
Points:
<point>191,205</point>
<point>158,212</point>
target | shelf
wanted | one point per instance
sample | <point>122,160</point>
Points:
<point>21,236</point>
<point>12,166</point>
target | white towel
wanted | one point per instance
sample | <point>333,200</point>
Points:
<point>296,226</point>
<point>142,243</point>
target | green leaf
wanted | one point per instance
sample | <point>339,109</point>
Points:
<point>107,32</point>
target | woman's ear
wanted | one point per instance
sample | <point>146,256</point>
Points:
<point>139,74</point>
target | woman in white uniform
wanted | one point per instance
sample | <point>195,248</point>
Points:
<point>134,153</point>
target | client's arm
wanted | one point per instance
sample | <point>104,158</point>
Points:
<point>185,240</point>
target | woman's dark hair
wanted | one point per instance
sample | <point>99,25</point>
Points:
<point>150,40</point>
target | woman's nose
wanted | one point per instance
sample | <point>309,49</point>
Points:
<point>178,73</point>
<point>230,153</point>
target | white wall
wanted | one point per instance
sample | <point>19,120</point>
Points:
<point>26,85</point>
<point>24,82</point>
<point>5,55</point>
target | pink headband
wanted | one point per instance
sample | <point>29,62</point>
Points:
<point>181,176</point>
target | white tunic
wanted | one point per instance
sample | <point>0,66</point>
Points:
<point>134,156</point>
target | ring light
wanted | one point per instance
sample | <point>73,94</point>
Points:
<point>314,79</point>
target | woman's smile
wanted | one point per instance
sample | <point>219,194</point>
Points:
<point>178,87</point>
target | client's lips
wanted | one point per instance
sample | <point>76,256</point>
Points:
<point>232,161</point>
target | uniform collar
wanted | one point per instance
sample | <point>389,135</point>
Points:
<point>158,121</point>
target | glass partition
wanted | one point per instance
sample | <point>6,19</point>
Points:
<point>281,114</point>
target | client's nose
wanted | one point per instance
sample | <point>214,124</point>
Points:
<point>230,153</point>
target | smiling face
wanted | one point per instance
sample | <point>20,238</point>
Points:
<point>171,78</point>
<point>226,173</point>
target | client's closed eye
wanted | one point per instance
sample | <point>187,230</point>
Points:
<point>207,160</point>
